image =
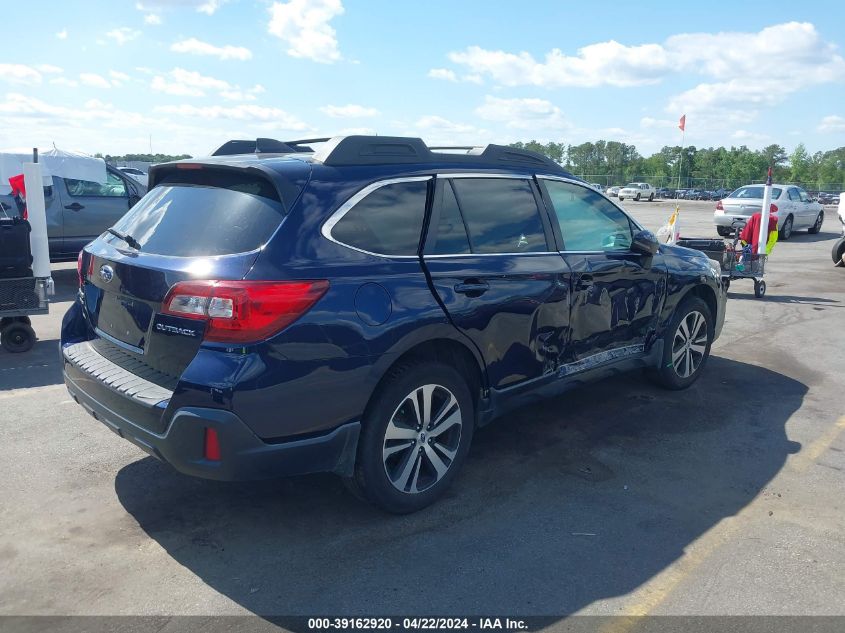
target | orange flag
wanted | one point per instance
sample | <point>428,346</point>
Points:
<point>683,122</point>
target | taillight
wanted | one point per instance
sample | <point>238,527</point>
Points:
<point>719,206</point>
<point>212,445</point>
<point>773,208</point>
<point>243,311</point>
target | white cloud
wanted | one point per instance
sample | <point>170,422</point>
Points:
<point>832,124</point>
<point>123,34</point>
<point>782,51</point>
<point>609,63</point>
<point>473,79</point>
<point>188,83</point>
<point>304,26</point>
<point>350,111</point>
<point>94,80</point>
<point>64,81</point>
<point>443,73</point>
<point>118,78</point>
<point>49,69</point>
<point>243,112</point>
<point>751,137</point>
<point>194,46</point>
<point>209,7</point>
<point>19,74</point>
<point>62,35</point>
<point>153,19</point>
<point>531,114</point>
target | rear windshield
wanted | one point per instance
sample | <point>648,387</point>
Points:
<point>755,193</point>
<point>187,219</point>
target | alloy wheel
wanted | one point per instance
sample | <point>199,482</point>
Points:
<point>689,344</point>
<point>422,439</point>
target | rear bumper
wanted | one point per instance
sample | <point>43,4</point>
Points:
<point>243,455</point>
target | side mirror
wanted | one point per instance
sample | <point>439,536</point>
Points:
<point>645,243</point>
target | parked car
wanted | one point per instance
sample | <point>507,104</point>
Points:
<point>597,186</point>
<point>792,205</point>
<point>310,322</point>
<point>637,191</point>
<point>135,174</point>
<point>613,192</point>
<point>79,210</point>
<point>720,193</point>
<point>665,193</point>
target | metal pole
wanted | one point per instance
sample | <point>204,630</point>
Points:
<point>763,235</point>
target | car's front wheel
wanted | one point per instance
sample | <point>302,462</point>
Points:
<point>415,437</point>
<point>637,198</point>
<point>651,198</point>
<point>723,231</point>
<point>686,345</point>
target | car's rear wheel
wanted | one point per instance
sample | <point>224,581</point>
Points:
<point>686,345</point>
<point>651,198</point>
<point>786,229</point>
<point>415,437</point>
<point>621,198</point>
<point>723,231</point>
<point>818,224</point>
<point>637,198</point>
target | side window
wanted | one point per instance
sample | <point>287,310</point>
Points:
<point>587,221</point>
<point>449,237</point>
<point>803,195</point>
<point>793,194</point>
<point>387,222</point>
<point>114,187</point>
<point>501,215</point>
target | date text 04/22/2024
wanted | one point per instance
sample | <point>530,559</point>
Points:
<point>421,623</point>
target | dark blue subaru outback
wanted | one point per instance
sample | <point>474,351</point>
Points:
<point>362,308</point>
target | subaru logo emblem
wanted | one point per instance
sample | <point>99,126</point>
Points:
<point>106,273</point>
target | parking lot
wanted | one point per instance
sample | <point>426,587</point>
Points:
<point>618,499</point>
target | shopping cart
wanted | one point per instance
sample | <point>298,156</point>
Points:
<point>20,298</point>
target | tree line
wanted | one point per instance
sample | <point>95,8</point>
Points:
<point>615,163</point>
<point>144,158</point>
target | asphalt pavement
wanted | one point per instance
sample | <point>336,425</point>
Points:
<point>617,499</point>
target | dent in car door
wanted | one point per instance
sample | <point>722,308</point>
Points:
<point>616,293</point>
<point>90,208</point>
<point>491,268</point>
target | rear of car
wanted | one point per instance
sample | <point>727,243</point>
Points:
<point>167,343</point>
<point>741,204</point>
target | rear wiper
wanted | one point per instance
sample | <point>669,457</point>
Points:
<point>126,238</point>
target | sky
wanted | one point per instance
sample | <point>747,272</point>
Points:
<point>184,76</point>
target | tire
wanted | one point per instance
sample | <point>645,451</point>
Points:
<point>813,230</point>
<point>759,288</point>
<point>786,229</point>
<point>402,474</point>
<point>723,231</point>
<point>621,198</point>
<point>17,338</point>
<point>651,198</point>
<point>637,199</point>
<point>838,251</point>
<point>678,359</point>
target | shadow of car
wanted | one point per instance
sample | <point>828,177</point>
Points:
<point>573,501</point>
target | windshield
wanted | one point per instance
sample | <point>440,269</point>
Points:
<point>632,185</point>
<point>754,193</point>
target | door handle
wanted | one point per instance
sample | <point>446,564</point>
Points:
<point>74,207</point>
<point>472,287</point>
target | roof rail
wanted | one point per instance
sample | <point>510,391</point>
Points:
<point>385,150</point>
<point>380,150</point>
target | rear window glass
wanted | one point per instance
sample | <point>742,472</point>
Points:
<point>501,215</point>
<point>388,221</point>
<point>754,193</point>
<point>189,220</point>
